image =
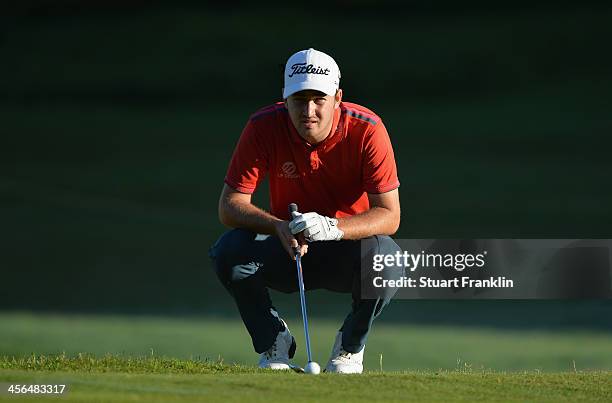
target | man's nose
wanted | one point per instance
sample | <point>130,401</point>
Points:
<point>309,108</point>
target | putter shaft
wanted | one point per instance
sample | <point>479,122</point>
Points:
<point>298,261</point>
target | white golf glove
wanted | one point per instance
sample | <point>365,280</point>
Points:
<point>316,227</point>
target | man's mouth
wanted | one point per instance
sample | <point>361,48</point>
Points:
<point>309,123</point>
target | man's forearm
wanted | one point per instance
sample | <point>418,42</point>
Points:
<point>237,214</point>
<point>375,221</point>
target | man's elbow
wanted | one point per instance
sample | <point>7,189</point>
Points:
<point>394,222</point>
<point>393,228</point>
<point>224,214</point>
<point>224,219</point>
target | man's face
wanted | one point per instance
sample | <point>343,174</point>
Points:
<point>312,113</point>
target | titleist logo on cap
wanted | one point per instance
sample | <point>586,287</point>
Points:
<point>302,68</point>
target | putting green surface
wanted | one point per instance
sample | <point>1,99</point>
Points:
<point>403,347</point>
<point>152,379</point>
<point>140,358</point>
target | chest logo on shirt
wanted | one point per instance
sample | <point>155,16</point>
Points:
<point>288,170</point>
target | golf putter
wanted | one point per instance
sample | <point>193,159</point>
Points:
<point>293,208</point>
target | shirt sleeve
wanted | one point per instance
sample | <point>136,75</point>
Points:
<point>249,162</point>
<point>379,169</point>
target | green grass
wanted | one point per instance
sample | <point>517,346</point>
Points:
<point>117,363</point>
<point>403,346</point>
<point>151,379</point>
<point>139,358</point>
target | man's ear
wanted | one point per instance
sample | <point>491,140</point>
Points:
<point>337,98</point>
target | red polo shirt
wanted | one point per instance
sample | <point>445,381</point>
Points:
<point>331,178</point>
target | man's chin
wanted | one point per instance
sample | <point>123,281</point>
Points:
<point>308,133</point>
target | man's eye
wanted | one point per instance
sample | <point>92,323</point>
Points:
<point>320,101</point>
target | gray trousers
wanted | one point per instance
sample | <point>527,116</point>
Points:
<point>247,265</point>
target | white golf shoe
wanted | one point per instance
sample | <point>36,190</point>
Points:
<point>342,361</point>
<point>277,357</point>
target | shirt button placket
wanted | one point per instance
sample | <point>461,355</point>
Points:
<point>314,161</point>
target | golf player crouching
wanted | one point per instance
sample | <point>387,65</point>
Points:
<point>334,160</point>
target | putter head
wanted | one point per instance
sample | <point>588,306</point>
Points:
<point>297,368</point>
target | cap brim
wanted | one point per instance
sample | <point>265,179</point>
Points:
<point>329,89</point>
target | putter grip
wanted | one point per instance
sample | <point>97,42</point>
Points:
<point>293,208</point>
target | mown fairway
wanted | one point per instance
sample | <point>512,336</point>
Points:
<point>152,379</point>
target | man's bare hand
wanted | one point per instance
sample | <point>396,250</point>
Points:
<point>289,241</point>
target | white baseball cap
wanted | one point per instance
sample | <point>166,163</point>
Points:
<point>311,70</point>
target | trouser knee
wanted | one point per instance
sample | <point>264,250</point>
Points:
<point>380,245</point>
<point>229,259</point>
<point>373,270</point>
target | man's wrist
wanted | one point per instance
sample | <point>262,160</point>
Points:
<point>276,223</point>
<point>338,234</point>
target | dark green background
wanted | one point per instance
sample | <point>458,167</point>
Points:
<point>118,122</point>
